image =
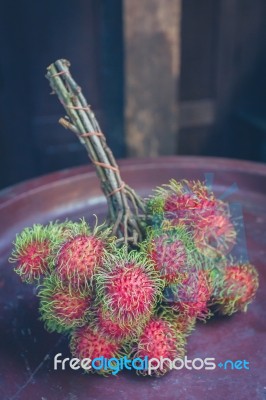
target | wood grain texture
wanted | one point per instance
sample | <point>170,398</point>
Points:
<point>152,64</point>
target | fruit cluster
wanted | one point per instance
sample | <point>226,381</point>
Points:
<point>144,301</point>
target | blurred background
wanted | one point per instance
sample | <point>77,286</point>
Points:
<point>163,77</point>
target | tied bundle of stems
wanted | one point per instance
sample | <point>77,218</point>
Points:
<point>126,210</point>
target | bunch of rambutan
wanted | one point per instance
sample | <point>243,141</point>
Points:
<point>135,285</point>
<point>140,302</point>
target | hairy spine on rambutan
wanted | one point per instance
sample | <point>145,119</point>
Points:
<point>88,342</point>
<point>194,205</point>
<point>159,339</point>
<point>111,326</point>
<point>81,253</point>
<point>63,309</point>
<point>33,251</point>
<point>191,295</point>
<point>128,287</point>
<point>182,202</point>
<point>183,323</point>
<point>235,287</point>
<point>170,251</point>
<point>214,235</point>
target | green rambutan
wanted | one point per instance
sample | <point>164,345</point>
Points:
<point>63,309</point>
<point>128,287</point>
<point>160,338</point>
<point>88,342</point>
<point>235,287</point>
<point>80,254</point>
<point>33,250</point>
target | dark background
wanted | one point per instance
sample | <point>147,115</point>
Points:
<point>221,90</point>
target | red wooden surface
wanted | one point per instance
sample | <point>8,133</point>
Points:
<point>27,350</point>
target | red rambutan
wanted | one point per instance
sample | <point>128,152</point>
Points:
<point>184,323</point>
<point>182,202</point>
<point>160,339</point>
<point>112,327</point>
<point>192,204</point>
<point>87,342</point>
<point>214,235</point>
<point>79,257</point>
<point>169,251</point>
<point>187,208</point>
<point>128,286</point>
<point>190,296</point>
<point>63,309</point>
<point>32,251</point>
<point>236,287</point>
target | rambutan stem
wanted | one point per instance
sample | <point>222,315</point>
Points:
<point>123,203</point>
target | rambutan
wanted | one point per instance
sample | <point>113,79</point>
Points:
<point>191,295</point>
<point>81,254</point>
<point>170,251</point>
<point>182,323</point>
<point>32,251</point>
<point>88,342</point>
<point>187,208</point>
<point>141,292</point>
<point>160,339</point>
<point>235,287</point>
<point>63,309</point>
<point>112,327</point>
<point>214,235</point>
<point>193,204</point>
<point>182,202</point>
<point>128,286</point>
